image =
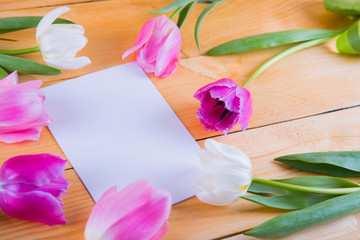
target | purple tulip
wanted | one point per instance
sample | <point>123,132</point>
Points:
<point>31,187</point>
<point>223,104</point>
<point>158,45</point>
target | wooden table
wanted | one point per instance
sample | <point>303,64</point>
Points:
<point>308,102</point>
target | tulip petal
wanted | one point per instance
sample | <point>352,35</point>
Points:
<point>114,205</point>
<point>22,112</point>
<point>224,178</point>
<point>166,58</point>
<point>147,55</point>
<point>20,104</point>
<point>34,206</point>
<point>226,173</point>
<point>228,152</point>
<point>209,115</point>
<point>39,169</point>
<point>62,41</point>
<point>69,63</point>
<point>224,82</point>
<point>162,232</point>
<point>218,197</point>
<point>159,43</point>
<point>10,80</point>
<point>171,68</point>
<point>14,136</point>
<point>48,19</point>
<point>246,107</point>
<point>144,35</point>
<point>144,222</point>
<point>228,96</point>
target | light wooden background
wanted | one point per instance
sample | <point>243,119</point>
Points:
<point>308,102</point>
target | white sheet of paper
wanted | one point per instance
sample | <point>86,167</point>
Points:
<point>115,128</point>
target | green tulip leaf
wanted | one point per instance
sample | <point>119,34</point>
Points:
<point>308,181</point>
<point>340,164</point>
<point>12,24</point>
<point>184,14</point>
<point>266,189</point>
<point>349,41</point>
<point>11,63</point>
<point>291,222</point>
<point>273,39</point>
<point>172,6</point>
<point>346,7</point>
<point>3,73</point>
<point>293,201</point>
<point>319,182</point>
<point>201,18</point>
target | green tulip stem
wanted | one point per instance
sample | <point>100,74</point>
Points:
<point>305,189</point>
<point>20,51</point>
<point>283,54</point>
<point>175,13</point>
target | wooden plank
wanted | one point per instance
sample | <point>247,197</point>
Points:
<point>192,219</point>
<point>336,131</point>
<point>77,207</point>
<point>46,144</point>
<point>110,33</point>
<point>308,83</point>
<point>21,4</point>
<point>304,84</point>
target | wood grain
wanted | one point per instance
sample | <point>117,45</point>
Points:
<point>302,87</point>
<point>308,83</point>
<point>192,219</point>
<point>46,144</point>
<point>110,34</point>
<point>337,131</point>
<point>16,4</point>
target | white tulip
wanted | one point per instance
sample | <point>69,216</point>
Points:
<point>225,175</point>
<point>59,43</point>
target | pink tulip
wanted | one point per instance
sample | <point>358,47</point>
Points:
<point>31,187</point>
<point>158,45</point>
<point>22,110</point>
<point>136,212</point>
<point>223,104</point>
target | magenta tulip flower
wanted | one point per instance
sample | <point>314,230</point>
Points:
<point>136,212</point>
<point>31,187</point>
<point>22,110</point>
<point>224,104</point>
<point>158,45</point>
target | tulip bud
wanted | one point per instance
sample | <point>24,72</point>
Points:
<point>350,8</point>
<point>31,187</point>
<point>226,174</point>
<point>22,110</point>
<point>158,45</point>
<point>138,211</point>
<point>349,41</point>
<point>223,105</point>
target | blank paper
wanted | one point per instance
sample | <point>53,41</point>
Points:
<point>115,128</point>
